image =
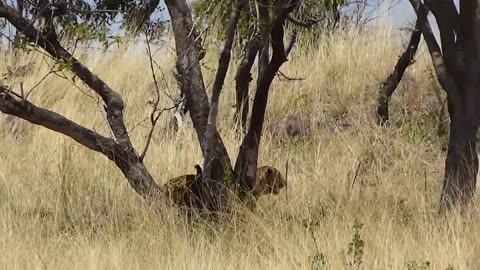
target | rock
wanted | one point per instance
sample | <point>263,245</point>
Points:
<point>297,124</point>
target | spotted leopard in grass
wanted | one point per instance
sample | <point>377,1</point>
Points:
<point>184,191</point>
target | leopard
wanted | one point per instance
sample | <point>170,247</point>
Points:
<point>184,191</point>
<point>269,181</point>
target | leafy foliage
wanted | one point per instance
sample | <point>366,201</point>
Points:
<point>356,246</point>
<point>413,265</point>
<point>99,20</point>
<point>214,13</point>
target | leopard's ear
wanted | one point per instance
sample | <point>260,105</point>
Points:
<point>270,176</point>
<point>199,169</point>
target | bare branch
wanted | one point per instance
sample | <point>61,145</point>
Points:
<point>306,24</point>
<point>56,122</point>
<point>289,78</point>
<point>153,118</point>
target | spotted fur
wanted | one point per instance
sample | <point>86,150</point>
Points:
<point>185,191</point>
<point>269,181</point>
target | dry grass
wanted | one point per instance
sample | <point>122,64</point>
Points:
<point>64,207</point>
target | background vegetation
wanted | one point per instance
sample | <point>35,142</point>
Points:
<point>63,206</point>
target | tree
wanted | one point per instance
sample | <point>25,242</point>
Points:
<point>119,148</point>
<point>391,83</point>
<point>457,68</point>
<point>89,20</point>
<point>218,173</point>
<point>253,31</point>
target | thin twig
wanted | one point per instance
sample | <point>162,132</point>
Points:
<point>356,173</point>
<point>281,74</point>
<point>306,24</point>
<point>153,118</point>
<point>286,180</point>
<point>38,83</point>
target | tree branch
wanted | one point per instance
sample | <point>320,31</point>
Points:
<point>305,24</point>
<point>448,23</point>
<point>56,122</point>
<point>292,42</point>
<point>141,14</point>
<point>444,77</point>
<point>264,26</point>
<point>113,102</point>
<point>394,79</point>
<point>192,85</point>
<point>153,118</point>
<point>243,79</point>
<point>120,150</point>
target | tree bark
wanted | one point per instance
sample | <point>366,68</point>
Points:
<point>246,164</point>
<point>192,84</point>
<point>457,66</point>
<point>461,166</point>
<point>243,78</point>
<point>219,193</point>
<point>394,79</point>
<point>264,46</point>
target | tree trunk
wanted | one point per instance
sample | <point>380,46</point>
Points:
<point>461,166</point>
<point>243,79</point>
<point>246,164</point>
<point>139,178</point>
<point>192,84</point>
<point>394,79</point>
<point>218,194</point>
<point>264,46</point>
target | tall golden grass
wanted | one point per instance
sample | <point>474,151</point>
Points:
<point>65,207</point>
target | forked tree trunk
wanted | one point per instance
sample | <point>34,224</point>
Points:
<point>122,154</point>
<point>191,81</point>
<point>246,164</point>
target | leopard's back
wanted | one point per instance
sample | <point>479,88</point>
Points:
<point>179,189</point>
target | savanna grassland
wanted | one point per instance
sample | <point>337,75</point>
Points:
<point>65,207</point>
